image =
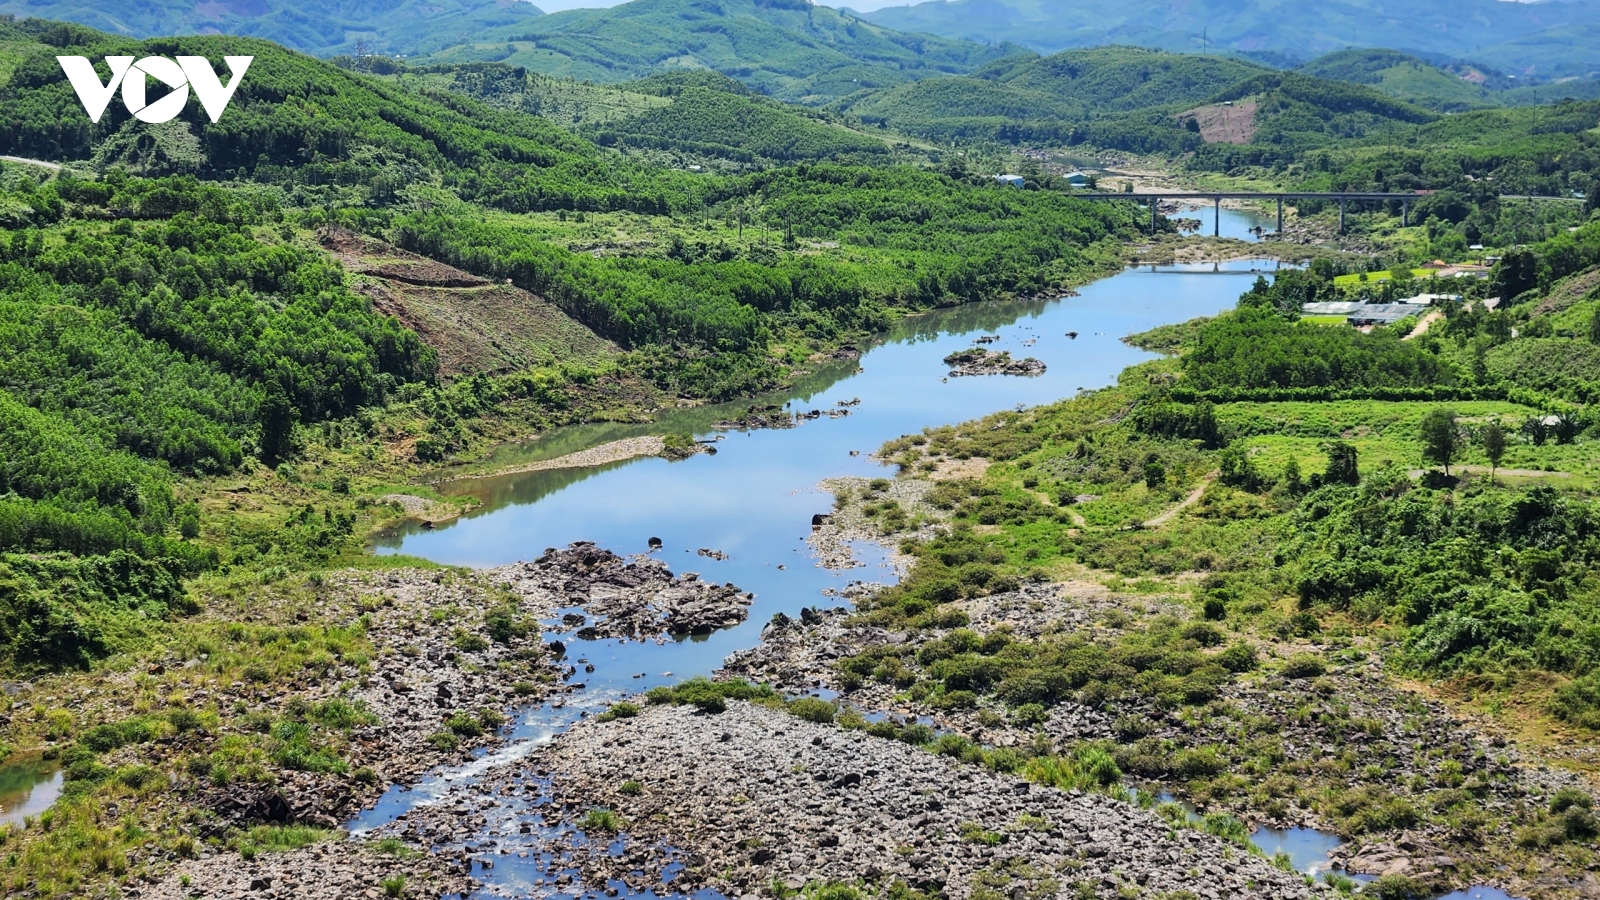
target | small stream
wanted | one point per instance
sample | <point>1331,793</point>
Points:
<point>754,500</point>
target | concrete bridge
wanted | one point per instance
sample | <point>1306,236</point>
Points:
<point>1216,197</point>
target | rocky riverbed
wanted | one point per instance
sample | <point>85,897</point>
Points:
<point>1349,731</point>
<point>448,647</point>
<point>335,870</point>
<point>759,800</point>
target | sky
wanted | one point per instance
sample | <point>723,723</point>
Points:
<point>551,6</point>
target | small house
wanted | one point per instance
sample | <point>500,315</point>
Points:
<point>1012,180</point>
<point>1077,179</point>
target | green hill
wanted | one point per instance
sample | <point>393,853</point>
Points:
<point>1541,40</point>
<point>786,48</point>
<point>696,115</point>
<point>380,26</point>
<point>1145,101</point>
<point>307,126</point>
<point>1119,79</point>
<point>1451,89</point>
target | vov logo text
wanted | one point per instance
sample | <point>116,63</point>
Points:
<point>133,77</point>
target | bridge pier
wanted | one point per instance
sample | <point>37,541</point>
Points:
<point>1405,213</point>
<point>1280,215</point>
<point>1341,215</point>
<point>1216,214</point>
<point>1155,214</point>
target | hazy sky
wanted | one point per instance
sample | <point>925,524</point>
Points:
<point>858,5</point>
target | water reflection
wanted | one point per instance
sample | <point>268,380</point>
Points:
<point>27,787</point>
<point>754,500</point>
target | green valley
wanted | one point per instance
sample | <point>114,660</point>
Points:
<point>698,446</point>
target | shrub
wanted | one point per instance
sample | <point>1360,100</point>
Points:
<point>619,710</point>
<point>1029,715</point>
<point>601,820</point>
<point>813,710</point>
<point>1303,665</point>
<point>183,720</point>
<point>975,833</point>
<point>1200,762</point>
<point>1238,658</point>
<point>464,724</point>
<point>1394,887</point>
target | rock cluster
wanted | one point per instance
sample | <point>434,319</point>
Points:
<point>326,871</point>
<point>634,597</point>
<point>757,797</point>
<point>757,417</point>
<point>976,361</point>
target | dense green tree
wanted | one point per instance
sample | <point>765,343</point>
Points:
<point>1342,464</point>
<point>1439,437</point>
<point>1494,445</point>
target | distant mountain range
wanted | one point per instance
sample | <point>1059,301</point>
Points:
<point>1532,40</point>
<point>789,49</point>
<point>323,27</point>
<point>870,62</point>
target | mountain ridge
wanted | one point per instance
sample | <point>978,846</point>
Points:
<point>1538,40</point>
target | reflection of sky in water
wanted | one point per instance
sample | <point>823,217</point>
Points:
<point>27,788</point>
<point>754,500</point>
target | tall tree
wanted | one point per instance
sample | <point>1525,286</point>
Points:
<point>1342,464</point>
<point>1439,437</point>
<point>277,417</point>
<point>1494,445</point>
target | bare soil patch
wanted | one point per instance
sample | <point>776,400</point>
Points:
<point>475,324</point>
<point>1222,123</point>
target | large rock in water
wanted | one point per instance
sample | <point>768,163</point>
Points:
<point>977,361</point>
<point>629,597</point>
<point>761,796</point>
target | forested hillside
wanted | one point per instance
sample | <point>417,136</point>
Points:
<point>187,323</point>
<point>1546,40</point>
<point>789,49</point>
<point>1453,88</point>
<point>1143,101</point>
<point>693,116</point>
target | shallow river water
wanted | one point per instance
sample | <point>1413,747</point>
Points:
<point>753,500</point>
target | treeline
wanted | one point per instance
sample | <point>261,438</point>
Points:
<point>1257,347</point>
<point>952,241</point>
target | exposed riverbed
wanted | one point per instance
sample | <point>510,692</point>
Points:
<point>742,517</point>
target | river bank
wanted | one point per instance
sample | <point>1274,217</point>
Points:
<point>751,502</point>
<point>1329,739</point>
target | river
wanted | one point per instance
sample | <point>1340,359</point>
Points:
<point>753,500</point>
